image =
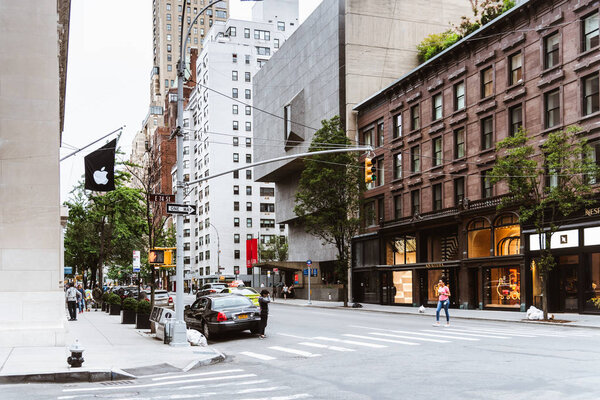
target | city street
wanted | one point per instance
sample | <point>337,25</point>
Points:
<point>348,354</point>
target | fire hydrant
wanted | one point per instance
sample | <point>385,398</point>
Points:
<point>76,358</point>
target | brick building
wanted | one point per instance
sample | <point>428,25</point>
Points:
<point>432,211</point>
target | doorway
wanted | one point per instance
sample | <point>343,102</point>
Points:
<point>563,294</point>
<point>387,288</point>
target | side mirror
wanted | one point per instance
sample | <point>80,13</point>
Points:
<point>187,307</point>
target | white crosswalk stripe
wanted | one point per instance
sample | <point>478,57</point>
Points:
<point>294,351</point>
<point>435,335</point>
<point>290,397</point>
<point>410,337</point>
<point>354,342</point>
<point>446,332</point>
<point>452,329</point>
<point>324,346</point>
<point>381,340</point>
<point>259,356</point>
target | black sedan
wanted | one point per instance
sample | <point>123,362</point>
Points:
<point>220,313</point>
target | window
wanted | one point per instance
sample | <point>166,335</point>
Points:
<point>221,14</point>
<point>169,48</point>
<point>236,157</point>
<point>234,57</point>
<point>437,151</point>
<point>595,158</point>
<point>380,172</point>
<point>236,222</point>
<point>369,213</point>
<point>551,50</point>
<point>247,33</point>
<point>552,109</point>
<point>487,82</point>
<point>590,95</point>
<point>234,93</point>
<point>280,26</point>
<point>168,17</point>
<point>232,31</point>
<point>248,110</point>
<point>234,75</point>
<point>236,206</point>
<point>236,254</point>
<point>415,201</point>
<point>397,125</point>
<point>249,206</point>
<point>437,196</point>
<point>247,59</point>
<point>398,166</point>
<point>267,223</point>
<point>415,118</point>
<point>267,207</point>
<point>415,159</point>
<point>169,37</point>
<point>459,96</point>
<point>262,35</point>
<point>502,287</point>
<point>263,51</point>
<point>249,190</point>
<point>248,174</point>
<point>236,189</point>
<point>248,94</point>
<point>381,210</point>
<point>168,7</point>
<point>236,125</point>
<point>507,235</point>
<point>459,143</point>
<point>436,111</point>
<point>479,238</point>
<point>487,131</point>
<point>368,137</point>
<point>248,222</point>
<point>248,142</point>
<point>515,114</point>
<point>459,191</point>
<point>236,174</point>
<point>590,31</point>
<point>207,256</point>
<point>248,158</point>
<point>247,76</point>
<point>248,126</point>
<point>380,134</point>
<point>236,238</point>
<point>486,185</point>
<point>516,68</point>
<point>276,43</point>
<point>267,192</point>
<point>398,207</point>
<point>404,249</point>
<point>234,109</point>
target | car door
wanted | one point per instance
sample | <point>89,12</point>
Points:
<point>193,316</point>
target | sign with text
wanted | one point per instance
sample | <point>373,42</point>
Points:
<point>185,209</point>
<point>136,261</point>
<point>251,252</point>
<point>161,197</point>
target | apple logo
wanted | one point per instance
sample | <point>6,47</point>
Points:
<point>100,177</point>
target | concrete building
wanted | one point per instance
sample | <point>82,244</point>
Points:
<point>231,208</point>
<point>433,211</point>
<point>33,60</point>
<point>343,52</point>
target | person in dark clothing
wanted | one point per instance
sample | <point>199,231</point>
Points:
<point>263,301</point>
<point>72,295</point>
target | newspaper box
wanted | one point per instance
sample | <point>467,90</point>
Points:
<point>159,318</point>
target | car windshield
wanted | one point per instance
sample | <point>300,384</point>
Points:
<point>229,302</point>
<point>245,291</point>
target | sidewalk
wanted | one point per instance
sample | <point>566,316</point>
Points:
<point>575,320</point>
<point>112,351</point>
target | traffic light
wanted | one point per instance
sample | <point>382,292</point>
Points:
<point>156,256</point>
<point>370,170</point>
<point>169,257</point>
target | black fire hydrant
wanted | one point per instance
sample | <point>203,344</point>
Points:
<point>76,358</point>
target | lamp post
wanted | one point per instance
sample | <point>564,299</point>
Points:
<point>218,249</point>
<point>179,327</point>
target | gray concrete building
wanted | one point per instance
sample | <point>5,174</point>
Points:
<point>344,52</point>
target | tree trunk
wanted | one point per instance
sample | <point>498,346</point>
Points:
<point>345,288</point>
<point>544,281</point>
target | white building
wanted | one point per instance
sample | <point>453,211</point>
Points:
<point>231,208</point>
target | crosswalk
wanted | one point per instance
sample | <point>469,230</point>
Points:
<point>374,338</point>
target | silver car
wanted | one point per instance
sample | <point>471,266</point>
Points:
<point>161,298</point>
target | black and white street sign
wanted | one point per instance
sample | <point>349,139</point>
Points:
<point>185,209</point>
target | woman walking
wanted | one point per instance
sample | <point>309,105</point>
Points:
<point>263,301</point>
<point>443,293</point>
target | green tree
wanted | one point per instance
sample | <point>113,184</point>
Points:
<point>548,184</point>
<point>329,194</point>
<point>275,250</point>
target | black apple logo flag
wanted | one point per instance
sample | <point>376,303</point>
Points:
<point>100,168</point>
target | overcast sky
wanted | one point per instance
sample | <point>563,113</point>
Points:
<point>108,75</point>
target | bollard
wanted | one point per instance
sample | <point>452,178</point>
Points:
<point>76,358</point>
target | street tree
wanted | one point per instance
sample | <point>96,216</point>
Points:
<point>329,194</point>
<point>275,250</point>
<point>548,184</point>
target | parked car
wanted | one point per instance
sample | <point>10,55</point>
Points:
<point>161,297</point>
<point>249,292</point>
<point>219,313</point>
<point>210,288</point>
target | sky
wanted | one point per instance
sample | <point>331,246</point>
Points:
<point>108,74</point>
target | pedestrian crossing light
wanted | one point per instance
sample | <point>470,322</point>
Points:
<point>169,257</point>
<point>156,256</point>
<point>370,170</point>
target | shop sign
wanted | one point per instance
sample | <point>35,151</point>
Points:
<point>434,265</point>
<point>592,211</point>
<point>560,240</point>
<point>591,236</point>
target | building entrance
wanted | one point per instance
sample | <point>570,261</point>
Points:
<point>563,285</point>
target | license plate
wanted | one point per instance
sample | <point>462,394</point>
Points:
<point>243,316</point>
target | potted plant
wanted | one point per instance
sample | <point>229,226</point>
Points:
<point>115,304</point>
<point>129,306</point>
<point>142,317</point>
<point>105,301</point>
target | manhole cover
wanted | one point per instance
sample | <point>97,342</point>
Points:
<point>119,395</point>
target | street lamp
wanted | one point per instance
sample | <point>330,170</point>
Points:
<point>179,328</point>
<point>218,249</point>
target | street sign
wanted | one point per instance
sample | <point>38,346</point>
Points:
<point>185,209</point>
<point>308,262</point>
<point>161,197</point>
<point>136,261</point>
<point>68,270</point>
<point>236,270</point>
<point>275,269</point>
<point>313,272</point>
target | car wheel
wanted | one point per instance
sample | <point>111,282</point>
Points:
<point>206,330</point>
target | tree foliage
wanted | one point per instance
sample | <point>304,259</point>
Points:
<point>329,194</point>
<point>275,250</point>
<point>435,44</point>
<point>548,185</point>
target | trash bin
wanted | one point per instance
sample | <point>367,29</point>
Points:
<point>168,336</point>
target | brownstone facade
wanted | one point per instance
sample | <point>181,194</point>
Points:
<point>432,212</point>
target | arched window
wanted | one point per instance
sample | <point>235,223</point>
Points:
<point>479,238</point>
<point>507,235</point>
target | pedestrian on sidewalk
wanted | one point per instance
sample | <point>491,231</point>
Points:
<point>88,299</point>
<point>97,295</point>
<point>285,291</point>
<point>81,298</point>
<point>263,301</point>
<point>72,296</point>
<point>443,302</point>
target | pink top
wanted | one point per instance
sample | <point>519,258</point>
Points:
<point>443,293</point>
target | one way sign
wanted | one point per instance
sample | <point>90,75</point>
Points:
<point>185,209</point>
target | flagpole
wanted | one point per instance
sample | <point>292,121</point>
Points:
<point>94,142</point>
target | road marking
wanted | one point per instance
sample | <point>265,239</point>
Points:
<point>294,351</point>
<point>226,384</point>
<point>469,330</point>
<point>382,340</point>
<point>228,371</point>
<point>254,390</point>
<point>324,346</point>
<point>410,337</point>
<point>375,346</point>
<point>292,397</point>
<point>294,336</point>
<point>416,333</point>
<point>452,334</point>
<point>259,356</point>
<point>93,389</point>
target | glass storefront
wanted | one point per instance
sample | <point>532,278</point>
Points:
<point>502,287</point>
<point>433,278</point>
<point>592,282</point>
<point>403,250</point>
<point>479,238</point>
<point>403,284</point>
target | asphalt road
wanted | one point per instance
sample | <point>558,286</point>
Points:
<point>351,354</point>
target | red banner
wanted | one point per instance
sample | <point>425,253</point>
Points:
<point>251,252</point>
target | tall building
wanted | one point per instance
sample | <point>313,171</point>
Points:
<point>343,52</point>
<point>231,208</point>
<point>34,42</point>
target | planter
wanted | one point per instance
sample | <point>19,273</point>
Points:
<point>128,317</point>
<point>142,321</point>
<point>104,305</point>
<point>115,309</point>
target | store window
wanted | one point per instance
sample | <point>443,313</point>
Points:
<point>433,278</point>
<point>592,282</point>
<point>403,285</point>
<point>507,235</point>
<point>404,250</point>
<point>479,238</point>
<point>502,287</point>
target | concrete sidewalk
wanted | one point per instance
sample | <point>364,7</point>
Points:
<point>575,320</point>
<point>112,351</point>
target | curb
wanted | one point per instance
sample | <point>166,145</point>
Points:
<point>454,316</point>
